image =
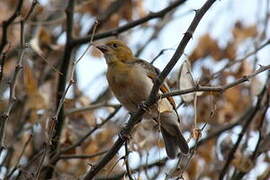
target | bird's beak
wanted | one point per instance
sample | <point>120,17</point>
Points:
<point>103,48</point>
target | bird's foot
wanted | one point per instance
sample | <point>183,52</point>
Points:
<point>124,135</point>
<point>144,107</point>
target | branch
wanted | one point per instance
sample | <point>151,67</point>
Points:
<point>4,41</point>
<point>127,161</point>
<point>124,133</point>
<point>33,5</point>
<point>217,88</point>
<point>20,156</point>
<point>90,108</point>
<point>58,120</point>
<point>6,24</point>
<point>82,156</point>
<point>130,25</point>
<point>12,98</point>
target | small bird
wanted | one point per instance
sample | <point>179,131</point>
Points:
<point>131,81</point>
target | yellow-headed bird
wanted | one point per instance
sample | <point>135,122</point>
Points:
<point>131,80</point>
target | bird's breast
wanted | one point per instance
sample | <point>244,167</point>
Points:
<point>130,85</point>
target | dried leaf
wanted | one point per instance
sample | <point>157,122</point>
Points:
<point>186,81</point>
<point>242,162</point>
<point>206,46</point>
<point>35,100</point>
<point>241,32</point>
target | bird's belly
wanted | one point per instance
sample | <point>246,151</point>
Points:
<point>131,88</point>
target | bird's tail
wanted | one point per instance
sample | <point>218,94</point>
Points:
<point>172,135</point>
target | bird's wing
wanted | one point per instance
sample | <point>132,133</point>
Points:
<point>152,73</point>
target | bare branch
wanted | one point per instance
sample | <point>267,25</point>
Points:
<point>127,162</point>
<point>91,108</point>
<point>218,88</point>
<point>5,116</point>
<point>20,156</point>
<point>6,24</point>
<point>81,156</point>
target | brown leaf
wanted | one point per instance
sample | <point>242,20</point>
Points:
<point>235,95</point>
<point>30,82</point>
<point>240,32</point>
<point>230,51</point>
<point>205,47</point>
<point>35,100</point>
<point>207,151</point>
<point>242,162</point>
<point>186,81</point>
<point>126,11</point>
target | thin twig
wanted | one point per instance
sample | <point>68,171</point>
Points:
<point>57,121</point>
<point>47,62</point>
<point>159,54</point>
<point>127,162</point>
<point>40,165</point>
<point>81,156</point>
<point>6,24</point>
<point>90,108</point>
<point>217,88</point>
<point>12,98</point>
<point>3,57</point>
<point>33,5</point>
<point>20,156</point>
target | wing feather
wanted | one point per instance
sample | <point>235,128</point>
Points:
<point>153,73</point>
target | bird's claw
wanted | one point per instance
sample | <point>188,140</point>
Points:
<point>144,107</point>
<point>124,135</point>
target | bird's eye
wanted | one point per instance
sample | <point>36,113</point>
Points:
<point>114,45</point>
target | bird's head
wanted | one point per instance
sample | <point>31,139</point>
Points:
<point>116,51</point>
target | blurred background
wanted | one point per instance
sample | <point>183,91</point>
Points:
<point>231,41</point>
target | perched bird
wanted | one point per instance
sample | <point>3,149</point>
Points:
<point>131,80</point>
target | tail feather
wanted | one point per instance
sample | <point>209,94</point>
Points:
<point>172,135</point>
<point>170,145</point>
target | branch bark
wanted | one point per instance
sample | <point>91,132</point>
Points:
<point>217,88</point>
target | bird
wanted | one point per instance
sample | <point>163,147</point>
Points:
<point>131,80</point>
